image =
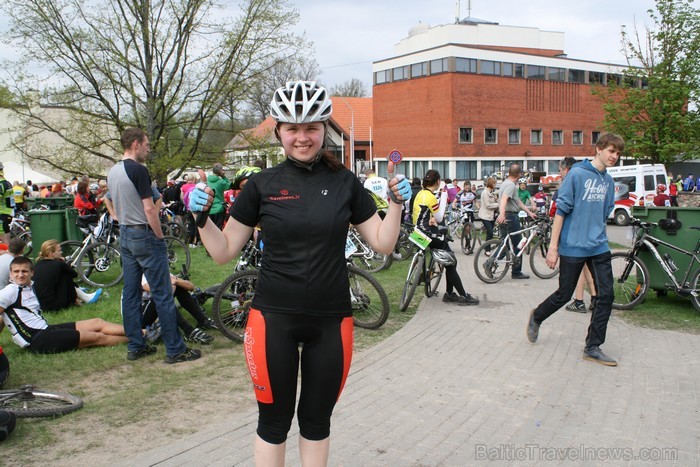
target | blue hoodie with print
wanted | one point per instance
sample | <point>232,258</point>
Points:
<point>585,199</point>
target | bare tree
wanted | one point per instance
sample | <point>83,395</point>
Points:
<point>353,88</point>
<point>169,67</point>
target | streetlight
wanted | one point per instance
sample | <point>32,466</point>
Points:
<point>352,135</point>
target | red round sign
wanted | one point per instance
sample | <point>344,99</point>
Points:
<point>395,156</point>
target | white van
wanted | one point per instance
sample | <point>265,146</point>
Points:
<point>635,185</point>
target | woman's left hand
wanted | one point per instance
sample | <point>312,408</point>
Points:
<point>399,186</point>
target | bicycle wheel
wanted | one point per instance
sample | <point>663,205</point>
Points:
<point>232,301</point>
<point>70,249</point>
<point>415,271</point>
<point>370,305</point>
<point>373,261</point>
<point>467,241</point>
<point>435,271</point>
<point>630,281</point>
<point>404,247</point>
<point>695,285</point>
<point>27,237</point>
<point>176,230</point>
<point>538,264</point>
<point>29,402</point>
<point>100,265</point>
<point>178,254</point>
<point>493,267</point>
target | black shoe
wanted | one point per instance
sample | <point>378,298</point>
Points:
<point>135,355</point>
<point>450,297</point>
<point>594,302</point>
<point>519,275</point>
<point>467,300</point>
<point>594,354</point>
<point>577,306</point>
<point>187,356</point>
<point>533,329</point>
<point>207,324</point>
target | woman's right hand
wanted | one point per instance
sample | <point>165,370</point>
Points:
<point>201,198</point>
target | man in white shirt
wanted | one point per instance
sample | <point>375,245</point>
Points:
<point>14,249</point>
<point>375,184</point>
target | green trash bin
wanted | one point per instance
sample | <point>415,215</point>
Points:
<point>73,232</point>
<point>46,225</point>
<point>684,237</point>
<point>52,202</point>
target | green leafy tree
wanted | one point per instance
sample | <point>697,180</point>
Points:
<point>169,67</point>
<point>7,99</point>
<point>654,105</point>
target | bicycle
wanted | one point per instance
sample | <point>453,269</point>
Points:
<point>28,401</point>
<point>20,227</point>
<point>170,224</point>
<point>493,259</point>
<point>631,277</point>
<point>404,248</point>
<point>423,268</point>
<point>363,256</point>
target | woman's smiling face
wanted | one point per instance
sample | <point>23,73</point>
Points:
<point>302,141</point>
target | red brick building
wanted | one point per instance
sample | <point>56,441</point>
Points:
<point>470,98</point>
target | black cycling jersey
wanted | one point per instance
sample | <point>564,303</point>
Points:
<point>304,215</point>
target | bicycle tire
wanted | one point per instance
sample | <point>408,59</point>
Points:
<point>100,265</point>
<point>415,271</point>
<point>404,248</point>
<point>374,263</point>
<point>467,241</point>
<point>232,301</point>
<point>70,249</point>
<point>178,254</point>
<point>538,264</point>
<point>432,283</point>
<point>370,304</point>
<point>490,269</point>
<point>695,285</point>
<point>26,236</point>
<point>627,271</point>
<point>34,403</point>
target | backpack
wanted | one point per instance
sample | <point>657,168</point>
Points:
<point>7,193</point>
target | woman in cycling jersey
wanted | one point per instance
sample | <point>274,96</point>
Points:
<point>428,212</point>
<point>304,206</point>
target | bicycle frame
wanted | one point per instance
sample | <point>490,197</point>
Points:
<point>508,241</point>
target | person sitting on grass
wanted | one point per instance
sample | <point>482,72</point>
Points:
<point>21,314</point>
<point>53,280</point>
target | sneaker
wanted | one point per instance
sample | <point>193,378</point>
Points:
<point>594,354</point>
<point>488,265</point>
<point>187,356</point>
<point>95,296</point>
<point>199,336</point>
<point>135,355</point>
<point>450,297</point>
<point>519,275</point>
<point>467,300</point>
<point>208,324</point>
<point>594,302</point>
<point>153,332</point>
<point>577,306</point>
<point>533,329</point>
<point>192,245</point>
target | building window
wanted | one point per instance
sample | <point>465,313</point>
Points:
<point>443,167</point>
<point>595,136</point>
<point>400,73</point>
<point>490,68</point>
<point>535,136</point>
<point>557,74</point>
<point>466,170</point>
<point>519,70</point>
<point>381,76</point>
<point>465,65</point>
<point>438,66</point>
<point>577,76</point>
<point>489,168</point>
<point>557,137</point>
<point>465,135</point>
<point>509,163</point>
<point>617,79</point>
<point>535,72</point>
<point>596,77</point>
<point>577,137</point>
<point>535,166</point>
<point>490,136</point>
<point>507,69</point>
<point>514,136</point>
<point>420,168</point>
<point>552,167</point>
<point>419,69</point>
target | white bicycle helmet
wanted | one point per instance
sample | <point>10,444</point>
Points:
<point>522,180</point>
<point>444,257</point>
<point>301,102</point>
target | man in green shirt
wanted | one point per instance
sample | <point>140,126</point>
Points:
<point>525,195</point>
<point>219,184</point>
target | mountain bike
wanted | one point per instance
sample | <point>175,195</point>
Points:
<point>423,268</point>
<point>493,259</point>
<point>404,248</point>
<point>363,256</point>
<point>20,227</point>
<point>28,401</point>
<point>631,277</point>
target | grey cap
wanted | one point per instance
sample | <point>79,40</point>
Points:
<point>218,168</point>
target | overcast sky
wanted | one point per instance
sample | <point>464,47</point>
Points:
<point>350,34</point>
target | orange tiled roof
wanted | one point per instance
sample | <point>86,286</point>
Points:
<point>343,116</point>
<point>263,131</point>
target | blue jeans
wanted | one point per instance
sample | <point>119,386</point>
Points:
<point>144,254</point>
<point>569,271</point>
<point>512,224</point>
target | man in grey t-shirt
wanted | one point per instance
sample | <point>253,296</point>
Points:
<point>14,249</point>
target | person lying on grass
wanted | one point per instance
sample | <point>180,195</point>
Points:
<point>21,314</point>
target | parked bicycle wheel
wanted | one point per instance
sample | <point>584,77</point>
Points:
<point>630,281</point>
<point>404,248</point>
<point>492,261</point>
<point>30,402</point>
<point>370,305</point>
<point>27,237</point>
<point>70,249</point>
<point>415,271</point>
<point>232,301</point>
<point>373,262</point>
<point>695,285</point>
<point>467,240</point>
<point>538,263</point>
<point>178,254</point>
<point>435,271</point>
<point>100,265</point>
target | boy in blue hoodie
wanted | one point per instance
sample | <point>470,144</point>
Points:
<point>586,198</point>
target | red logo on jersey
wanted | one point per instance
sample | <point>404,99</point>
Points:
<point>284,192</point>
<point>284,196</point>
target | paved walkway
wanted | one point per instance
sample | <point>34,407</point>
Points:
<point>463,386</point>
